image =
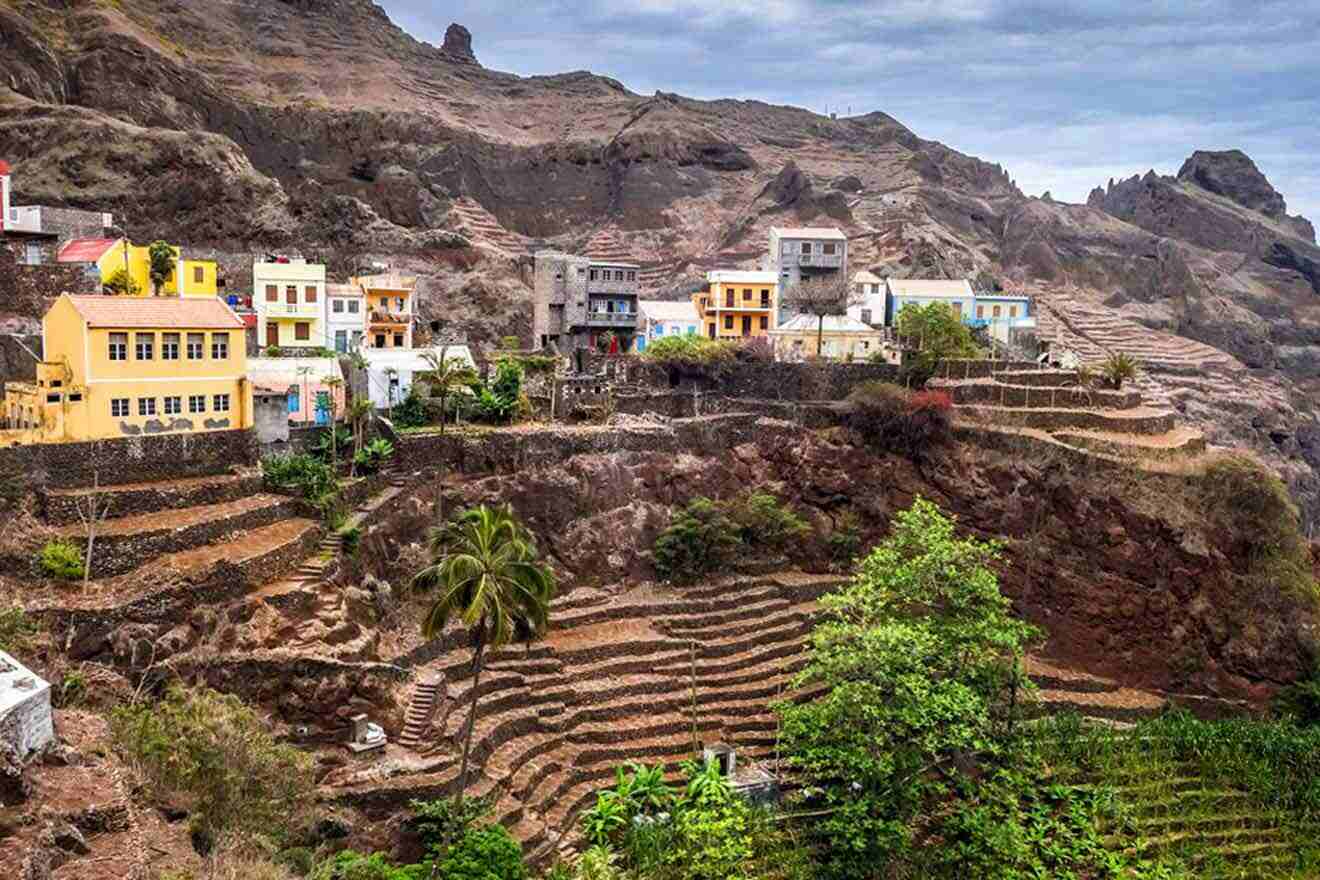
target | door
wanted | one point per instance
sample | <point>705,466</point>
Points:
<point>747,327</point>
<point>323,407</point>
<point>295,399</point>
<point>272,333</point>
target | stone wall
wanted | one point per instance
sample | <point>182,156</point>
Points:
<point>18,357</point>
<point>26,291</point>
<point>1025,396</point>
<point>979,369</point>
<point>144,459</point>
<point>766,380</point>
<point>61,507</point>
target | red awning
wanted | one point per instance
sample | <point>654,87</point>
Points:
<point>84,250</point>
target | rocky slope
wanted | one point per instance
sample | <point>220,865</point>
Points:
<point>241,125</point>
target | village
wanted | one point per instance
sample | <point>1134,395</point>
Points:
<point>234,488</point>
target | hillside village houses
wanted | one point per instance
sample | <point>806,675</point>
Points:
<point>839,336</point>
<point>735,304</point>
<point>37,231</point>
<point>660,318</point>
<point>129,366</point>
<point>288,296</point>
<point>577,301</point>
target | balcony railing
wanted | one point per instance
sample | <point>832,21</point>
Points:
<point>26,219</point>
<point>376,316</point>
<point>291,310</point>
<point>611,319</point>
<point>612,286</point>
<point>824,261</point>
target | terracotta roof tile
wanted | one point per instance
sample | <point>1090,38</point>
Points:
<point>156,311</point>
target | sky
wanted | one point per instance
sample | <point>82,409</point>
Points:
<point>1064,95</point>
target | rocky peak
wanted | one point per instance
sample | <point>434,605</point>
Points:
<point>1232,174</point>
<point>458,44</point>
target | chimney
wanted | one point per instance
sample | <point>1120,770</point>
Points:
<point>4,195</point>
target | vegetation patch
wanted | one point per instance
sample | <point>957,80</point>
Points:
<point>708,536</point>
<point>62,560</point>
<point>889,418</point>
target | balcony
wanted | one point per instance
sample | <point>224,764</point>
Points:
<point>625,288</point>
<point>611,319</point>
<point>746,305</point>
<point>290,310</point>
<point>394,319</point>
<point>821,261</point>
<point>24,220</point>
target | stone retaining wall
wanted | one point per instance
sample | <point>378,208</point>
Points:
<point>1024,396</point>
<point>768,381</point>
<point>979,369</point>
<point>144,459</point>
<point>62,509</point>
<point>1056,420</point>
<point>1038,378</point>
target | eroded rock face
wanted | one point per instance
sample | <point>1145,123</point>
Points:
<point>1232,174</point>
<point>458,44</point>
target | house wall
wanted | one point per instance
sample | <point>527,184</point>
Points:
<point>284,315</point>
<point>833,343</point>
<point>138,267</point>
<point>352,324</point>
<point>716,316</point>
<point>270,417</point>
<point>194,278</point>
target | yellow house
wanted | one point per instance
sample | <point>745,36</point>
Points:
<point>104,257</point>
<point>288,295</point>
<point>130,366</point>
<point>839,337</point>
<point>390,309</point>
<point>737,304</point>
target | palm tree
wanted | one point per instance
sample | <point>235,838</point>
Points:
<point>484,565</point>
<point>333,383</point>
<point>447,375</point>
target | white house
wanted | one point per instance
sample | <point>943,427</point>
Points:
<point>660,318</point>
<point>868,295</point>
<point>390,371</point>
<point>345,317</point>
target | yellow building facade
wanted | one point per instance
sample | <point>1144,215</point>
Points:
<point>390,309</point>
<point>127,366</point>
<point>737,304</point>
<point>107,257</point>
<point>288,296</point>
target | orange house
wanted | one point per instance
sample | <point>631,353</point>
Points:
<point>736,304</point>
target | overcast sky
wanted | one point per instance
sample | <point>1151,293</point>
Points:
<point>1065,95</point>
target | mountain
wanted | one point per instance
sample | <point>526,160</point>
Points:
<point>317,125</point>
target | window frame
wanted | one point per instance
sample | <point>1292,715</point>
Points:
<point>166,352</point>
<point>302,331</point>
<point>111,344</point>
<point>216,400</point>
<point>177,402</point>
<point>196,404</point>
<point>146,407</point>
<point>198,339</point>
<point>118,403</point>
<point>220,343</point>
<point>144,339</point>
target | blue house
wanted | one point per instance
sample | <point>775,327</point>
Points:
<point>957,295</point>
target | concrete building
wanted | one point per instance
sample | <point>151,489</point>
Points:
<point>288,296</point>
<point>1001,314</point>
<point>37,232</point>
<point>868,299</point>
<point>957,295</point>
<point>26,723</point>
<point>127,366</point>
<point>660,318</point>
<point>345,317</point>
<point>314,386</point>
<point>576,300</point>
<point>390,308</point>
<point>841,337</point>
<point>806,255</point>
<point>737,304</point>
<point>270,416</point>
<point>391,371</point>
<point>104,258</point>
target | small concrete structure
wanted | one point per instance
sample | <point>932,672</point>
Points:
<point>309,384</point>
<point>25,717</point>
<point>365,736</point>
<point>270,413</point>
<point>390,371</point>
<point>749,781</point>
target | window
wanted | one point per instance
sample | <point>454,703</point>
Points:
<point>146,344</point>
<point>866,316</point>
<point>806,247</point>
<point>341,341</point>
<point>380,340</point>
<point>199,275</point>
<point>827,247</point>
<point>220,346</point>
<point>196,403</point>
<point>75,397</point>
<point>980,311</point>
<point>765,299</point>
<point>309,293</point>
<point>398,340</point>
<point>272,293</point>
<point>659,330</point>
<point>118,346</point>
<point>728,322</point>
<point>957,309</point>
<point>747,294</point>
<point>357,339</point>
<point>786,248</point>
<point>996,311</point>
<point>632,274</point>
<point>291,295</point>
<point>692,330</point>
<point>196,346</point>
<point>302,331</point>
<point>32,255</point>
<point>173,406</point>
<point>593,274</point>
<point>119,407</point>
<point>352,307</point>
<point>146,406</point>
<point>169,347</point>
<point>337,306</point>
<point>221,403</point>
<point>765,323</point>
<point>728,299</point>
<point>53,398</point>
<point>1012,311</point>
<point>398,303</point>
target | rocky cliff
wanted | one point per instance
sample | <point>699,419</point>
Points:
<point>318,125</point>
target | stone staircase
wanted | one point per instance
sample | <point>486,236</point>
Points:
<point>420,709</point>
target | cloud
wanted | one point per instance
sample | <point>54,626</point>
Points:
<point>1064,94</point>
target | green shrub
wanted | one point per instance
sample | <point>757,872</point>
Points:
<point>1117,369</point>
<point>340,438</point>
<point>700,539</point>
<point>1301,701</point>
<point>350,865</point>
<point>372,456</point>
<point>764,522</point>
<point>303,474</point>
<point>697,354</point>
<point>62,560</point>
<point>488,853</point>
<point>845,539</point>
<point>440,824</point>
<point>217,752</point>
<point>351,540</point>
<point>16,630</point>
<point>409,412</point>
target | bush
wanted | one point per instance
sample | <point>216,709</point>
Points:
<point>350,865</point>
<point>756,349</point>
<point>214,749</point>
<point>694,354</point>
<point>62,560</point>
<point>488,853</point>
<point>764,522</point>
<point>892,419</point>
<point>700,539</point>
<point>372,457</point>
<point>409,412</point>
<point>440,824</point>
<point>1300,701</point>
<point>1117,369</point>
<point>16,630</point>
<point>304,474</point>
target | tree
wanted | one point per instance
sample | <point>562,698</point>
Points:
<point>446,376</point>
<point>822,298</point>
<point>1118,368</point>
<point>920,667</point>
<point>334,383</point>
<point>121,283</point>
<point>485,568</point>
<point>160,264</point>
<point>939,333</point>
<point>303,373</point>
<point>358,412</point>
<point>91,513</point>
